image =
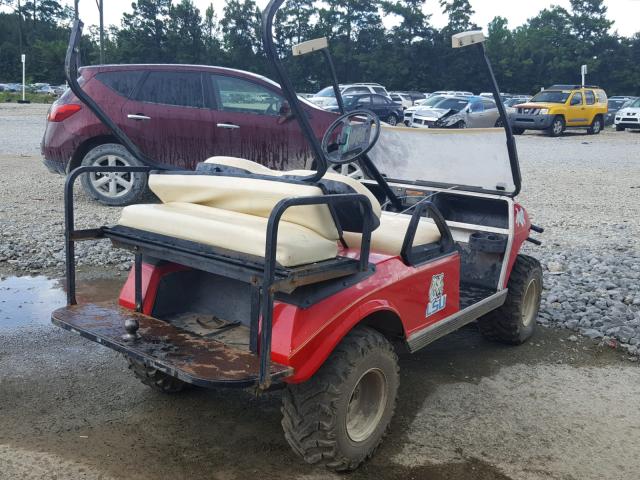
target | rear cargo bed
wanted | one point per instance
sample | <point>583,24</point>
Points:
<point>196,359</point>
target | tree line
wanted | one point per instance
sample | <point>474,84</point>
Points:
<point>412,55</point>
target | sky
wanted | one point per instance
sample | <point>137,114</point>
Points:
<point>625,13</point>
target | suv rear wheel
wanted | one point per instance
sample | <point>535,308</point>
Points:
<point>392,120</point>
<point>596,126</point>
<point>113,188</point>
<point>557,127</point>
<point>339,417</point>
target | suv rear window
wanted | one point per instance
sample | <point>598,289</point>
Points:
<point>122,82</point>
<point>173,88</point>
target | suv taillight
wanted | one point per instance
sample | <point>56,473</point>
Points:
<point>58,113</point>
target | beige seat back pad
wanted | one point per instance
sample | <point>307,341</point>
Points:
<point>389,236</point>
<point>258,169</point>
<point>233,231</point>
<point>248,196</point>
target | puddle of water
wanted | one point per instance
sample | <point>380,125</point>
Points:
<point>30,300</point>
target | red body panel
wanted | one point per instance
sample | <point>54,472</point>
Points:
<point>522,227</point>
<point>304,338</point>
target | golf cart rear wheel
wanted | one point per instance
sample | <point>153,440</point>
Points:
<point>156,379</point>
<point>113,188</point>
<point>557,127</point>
<point>515,321</point>
<point>596,126</point>
<point>339,417</point>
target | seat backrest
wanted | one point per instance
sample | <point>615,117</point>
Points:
<point>251,196</point>
<point>349,215</point>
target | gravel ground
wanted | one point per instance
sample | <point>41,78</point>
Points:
<point>560,407</point>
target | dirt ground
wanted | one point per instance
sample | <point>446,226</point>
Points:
<point>560,407</point>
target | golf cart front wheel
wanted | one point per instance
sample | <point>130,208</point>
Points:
<point>339,417</point>
<point>113,188</point>
<point>515,321</point>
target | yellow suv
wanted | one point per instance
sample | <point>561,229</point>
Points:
<point>561,107</point>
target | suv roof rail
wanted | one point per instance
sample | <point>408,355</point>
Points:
<point>570,87</point>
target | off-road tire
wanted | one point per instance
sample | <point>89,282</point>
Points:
<point>596,126</point>
<point>156,379</point>
<point>517,131</point>
<point>513,323</point>
<point>315,412</point>
<point>619,128</point>
<point>95,157</point>
<point>554,130</point>
<point>392,120</point>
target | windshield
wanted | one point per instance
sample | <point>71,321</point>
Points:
<point>634,104</point>
<point>430,102</point>
<point>325,92</point>
<point>455,104</point>
<point>551,96</point>
<point>351,100</point>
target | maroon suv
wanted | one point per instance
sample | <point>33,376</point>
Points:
<point>177,115</point>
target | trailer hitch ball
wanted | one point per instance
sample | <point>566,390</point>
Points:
<point>131,325</point>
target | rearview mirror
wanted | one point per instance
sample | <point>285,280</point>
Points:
<point>310,46</point>
<point>464,39</point>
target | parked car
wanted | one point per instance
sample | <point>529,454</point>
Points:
<point>452,93</point>
<point>614,105</point>
<point>401,99</point>
<point>560,107</point>
<point>178,115</point>
<point>386,109</point>
<point>459,112</point>
<point>47,90</point>
<point>326,96</point>
<point>420,105</point>
<point>629,116</point>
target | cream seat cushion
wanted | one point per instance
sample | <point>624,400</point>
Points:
<point>258,169</point>
<point>250,196</point>
<point>388,237</point>
<point>234,231</point>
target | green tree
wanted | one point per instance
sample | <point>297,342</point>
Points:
<point>241,27</point>
<point>185,41</point>
<point>459,13</point>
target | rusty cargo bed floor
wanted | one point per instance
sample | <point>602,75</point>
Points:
<point>192,358</point>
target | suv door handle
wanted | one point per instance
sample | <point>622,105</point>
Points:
<point>138,116</point>
<point>230,126</point>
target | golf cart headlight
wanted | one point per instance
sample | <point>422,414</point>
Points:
<point>543,111</point>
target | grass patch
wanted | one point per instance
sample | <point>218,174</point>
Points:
<point>13,97</point>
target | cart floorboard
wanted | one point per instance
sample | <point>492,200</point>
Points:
<point>196,359</point>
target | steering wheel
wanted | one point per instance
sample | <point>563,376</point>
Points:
<point>353,140</point>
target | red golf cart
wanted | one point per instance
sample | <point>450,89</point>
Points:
<point>309,280</point>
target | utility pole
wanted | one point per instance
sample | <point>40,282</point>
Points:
<point>75,8</point>
<point>584,74</point>
<point>101,12</point>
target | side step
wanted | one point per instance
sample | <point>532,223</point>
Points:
<point>458,320</point>
<point>192,358</point>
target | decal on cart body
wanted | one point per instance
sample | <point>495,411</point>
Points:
<point>520,217</point>
<point>437,298</point>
